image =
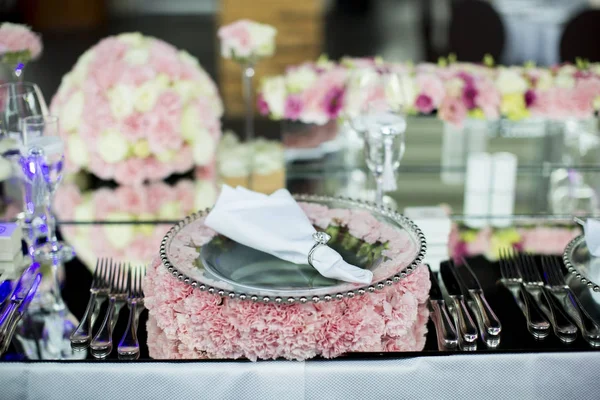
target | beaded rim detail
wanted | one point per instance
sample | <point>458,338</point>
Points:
<point>571,268</point>
<point>403,221</point>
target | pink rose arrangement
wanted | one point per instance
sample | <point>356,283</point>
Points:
<point>18,43</point>
<point>187,323</point>
<point>321,91</point>
<point>136,242</point>
<point>538,239</point>
<point>247,41</point>
<point>135,109</point>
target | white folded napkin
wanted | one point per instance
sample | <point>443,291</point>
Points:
<point>277,225</point>
<point>591,228</point>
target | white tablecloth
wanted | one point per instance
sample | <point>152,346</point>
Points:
<point>494,376</point>
<point>533,28</point>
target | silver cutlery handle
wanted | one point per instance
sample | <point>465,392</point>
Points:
<point>446,333</point>
<point>561,323</point>
<point>589,327</point>
<point>83,334</point>
<point>490,321</point>
<point>534,315</point>
<point>102,343</point>
<point>10,332</point>
<point>466,326</point>
<point>129,346</point>
<point>6,318</point>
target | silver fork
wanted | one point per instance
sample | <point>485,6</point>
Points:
<point>129,347</point>
<point>102,343</point>
<point>563,328</point>
<point>557,286</point>
<point>98,294</point>
<point>537,324</point>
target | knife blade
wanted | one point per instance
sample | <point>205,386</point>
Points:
<point>458,294</point>
<point>444,327</point>
<point>12,324</point>
<point>19,294</point>
<point>467,277</point>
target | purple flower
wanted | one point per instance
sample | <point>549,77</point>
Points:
<point>293,107</point>
<point>467,78</point>
<point>424,104</point>
<point>333,102</point>
<point>469,95</point>
<point>263,107</point>
<point>530,98</point>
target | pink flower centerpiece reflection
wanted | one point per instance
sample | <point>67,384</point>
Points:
<point>135,242</point>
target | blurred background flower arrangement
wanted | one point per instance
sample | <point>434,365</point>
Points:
<point>18,45</point>
<point>135,109</point>
<point>318,92</point>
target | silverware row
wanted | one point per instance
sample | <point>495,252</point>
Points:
<point>545,299</point>
<point>121,285</point>
<point>14,302</point>
<point>467,316</point>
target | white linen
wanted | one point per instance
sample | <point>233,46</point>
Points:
<point>528,376</point>
<point>277,225</point>
<point>591,227</point>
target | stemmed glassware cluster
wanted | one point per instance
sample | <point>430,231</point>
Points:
<point>38,154</point>
<point>379,117</point>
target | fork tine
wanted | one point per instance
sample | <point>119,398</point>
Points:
<point>556,271</point>
<point>141,276</point>
<point>129,285</point>
<point>97,272</point>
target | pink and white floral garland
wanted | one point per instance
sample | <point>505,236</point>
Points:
<point>317,92</point>
<point>136,109</point>
<point>186,324</point>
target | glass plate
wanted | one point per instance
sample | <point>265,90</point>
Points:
<point>582,264</point>
<point>230,269</point>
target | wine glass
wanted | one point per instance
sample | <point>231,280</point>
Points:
<point>46,153</point>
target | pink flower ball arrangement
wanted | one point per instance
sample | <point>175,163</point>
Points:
<point>19,42</point>
<point>188,323</point>
<point>136,243</point>
<point>247,41</point>
<point>135,109</point>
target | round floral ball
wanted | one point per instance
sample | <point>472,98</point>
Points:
<point>134,109</point>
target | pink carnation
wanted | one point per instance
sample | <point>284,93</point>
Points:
<point>453,110</point>
<point>17,38</point>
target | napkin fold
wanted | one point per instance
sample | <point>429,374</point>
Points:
<point>591,229</point>
<point>277,225</point>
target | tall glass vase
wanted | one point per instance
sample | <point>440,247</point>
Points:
<point>247,88</point>
<point>11,72</point>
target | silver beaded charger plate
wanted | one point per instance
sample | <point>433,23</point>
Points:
<point>581,263</point>
<point>229,269</point>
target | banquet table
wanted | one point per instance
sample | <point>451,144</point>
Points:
<point>520,367</point>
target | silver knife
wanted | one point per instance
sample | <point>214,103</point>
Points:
<point>444,327</point>
<point>21,291</point>
<point>458,294</point>
<point>12,324</point>
<point>467,278</point>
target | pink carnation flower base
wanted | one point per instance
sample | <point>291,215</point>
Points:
<point>185,323</point>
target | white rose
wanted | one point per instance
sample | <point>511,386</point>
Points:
<point>166,156</point>
<point>564,81</point>
<point>204,150</point>
<point>545,80</point>
<point>274,94</point>
<point>137,56</point>
<point>187,58</point>
<point>186,90</point>
<point>300,78</point>
<point>162,81</point>
<point>84,212</point>
<point>81,67</point>
<point>145,96</point>
<point>400,91</point>
<point>135,39</point>
<point>454,86</point>
<point>170,211</point>
<point>511,81</point>
<point>191,126</point>
<point>121,99</point>
<point>119,235</point>
<point>263,39</point>
<point>112,146</point>
<point>205,196</point>
<point>70,112</point>
<point>78,153</point>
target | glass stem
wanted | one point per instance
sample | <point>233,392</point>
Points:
<point>247,75</point>
<point>51,224</point>
<point>379,190</point>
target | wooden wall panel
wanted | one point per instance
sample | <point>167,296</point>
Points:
<point>299,26</point>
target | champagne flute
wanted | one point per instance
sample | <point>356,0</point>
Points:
<point>46,152</point>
